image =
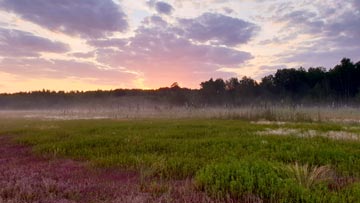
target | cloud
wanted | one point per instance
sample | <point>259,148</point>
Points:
<point>19,43</point>
<point>345,30</point>
<point>85,18</point>
<point>228,10</point>
<point>90,54</point>
<point>356,4</point>
<point>309,21</point>
<point>323,58</point>
<point>218,29</point>
<point>280,39</point>
<point>161,7</point>
<point>161,54</point>
<point>272,68</point>
<point>57,69</point>
<point>333,30</point>
<point>268,70</point>
<point>115,42</point>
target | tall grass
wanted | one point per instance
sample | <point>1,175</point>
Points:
<point>275,113</point>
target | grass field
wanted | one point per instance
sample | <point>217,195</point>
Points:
<point>228,159</point>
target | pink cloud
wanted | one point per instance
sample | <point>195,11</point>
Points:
<point>163,56</point>
<point>57,69</point>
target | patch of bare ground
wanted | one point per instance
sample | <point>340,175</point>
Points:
<point>178,191</point>
<point>339,182</point>
<point>25,177</point>
<point>266,122</point>
<point>336,135</point>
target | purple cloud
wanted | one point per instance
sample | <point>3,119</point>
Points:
<point>85,18</point>
<point>161,7</point>
<point>307,20</point>
<point>335,31</point>
<point>228,10</point>
<point>325,58</point>
<point>218,29</point>
<point>279,39</point>
<point>356,4</point>
<point>345,31</point>
<point>19,43</point>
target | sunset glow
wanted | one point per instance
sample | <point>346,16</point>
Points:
<point>110,44</point>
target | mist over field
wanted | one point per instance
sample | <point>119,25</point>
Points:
<point>290,94</point>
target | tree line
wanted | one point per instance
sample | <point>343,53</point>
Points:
<point>337,86</point>
<point>340,85</point>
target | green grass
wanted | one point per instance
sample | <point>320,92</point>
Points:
<point>224,157</point>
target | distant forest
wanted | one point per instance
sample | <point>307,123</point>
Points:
<point>314,86</point>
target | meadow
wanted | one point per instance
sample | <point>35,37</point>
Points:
<point>229,158</point>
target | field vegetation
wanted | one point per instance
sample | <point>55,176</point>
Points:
<point>230,159</point>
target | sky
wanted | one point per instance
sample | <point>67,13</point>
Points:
<point>109,44</point>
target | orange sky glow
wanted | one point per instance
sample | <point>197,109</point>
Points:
<point>109,44</point>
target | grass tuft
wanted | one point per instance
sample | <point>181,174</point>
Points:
<point>307,176</point>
